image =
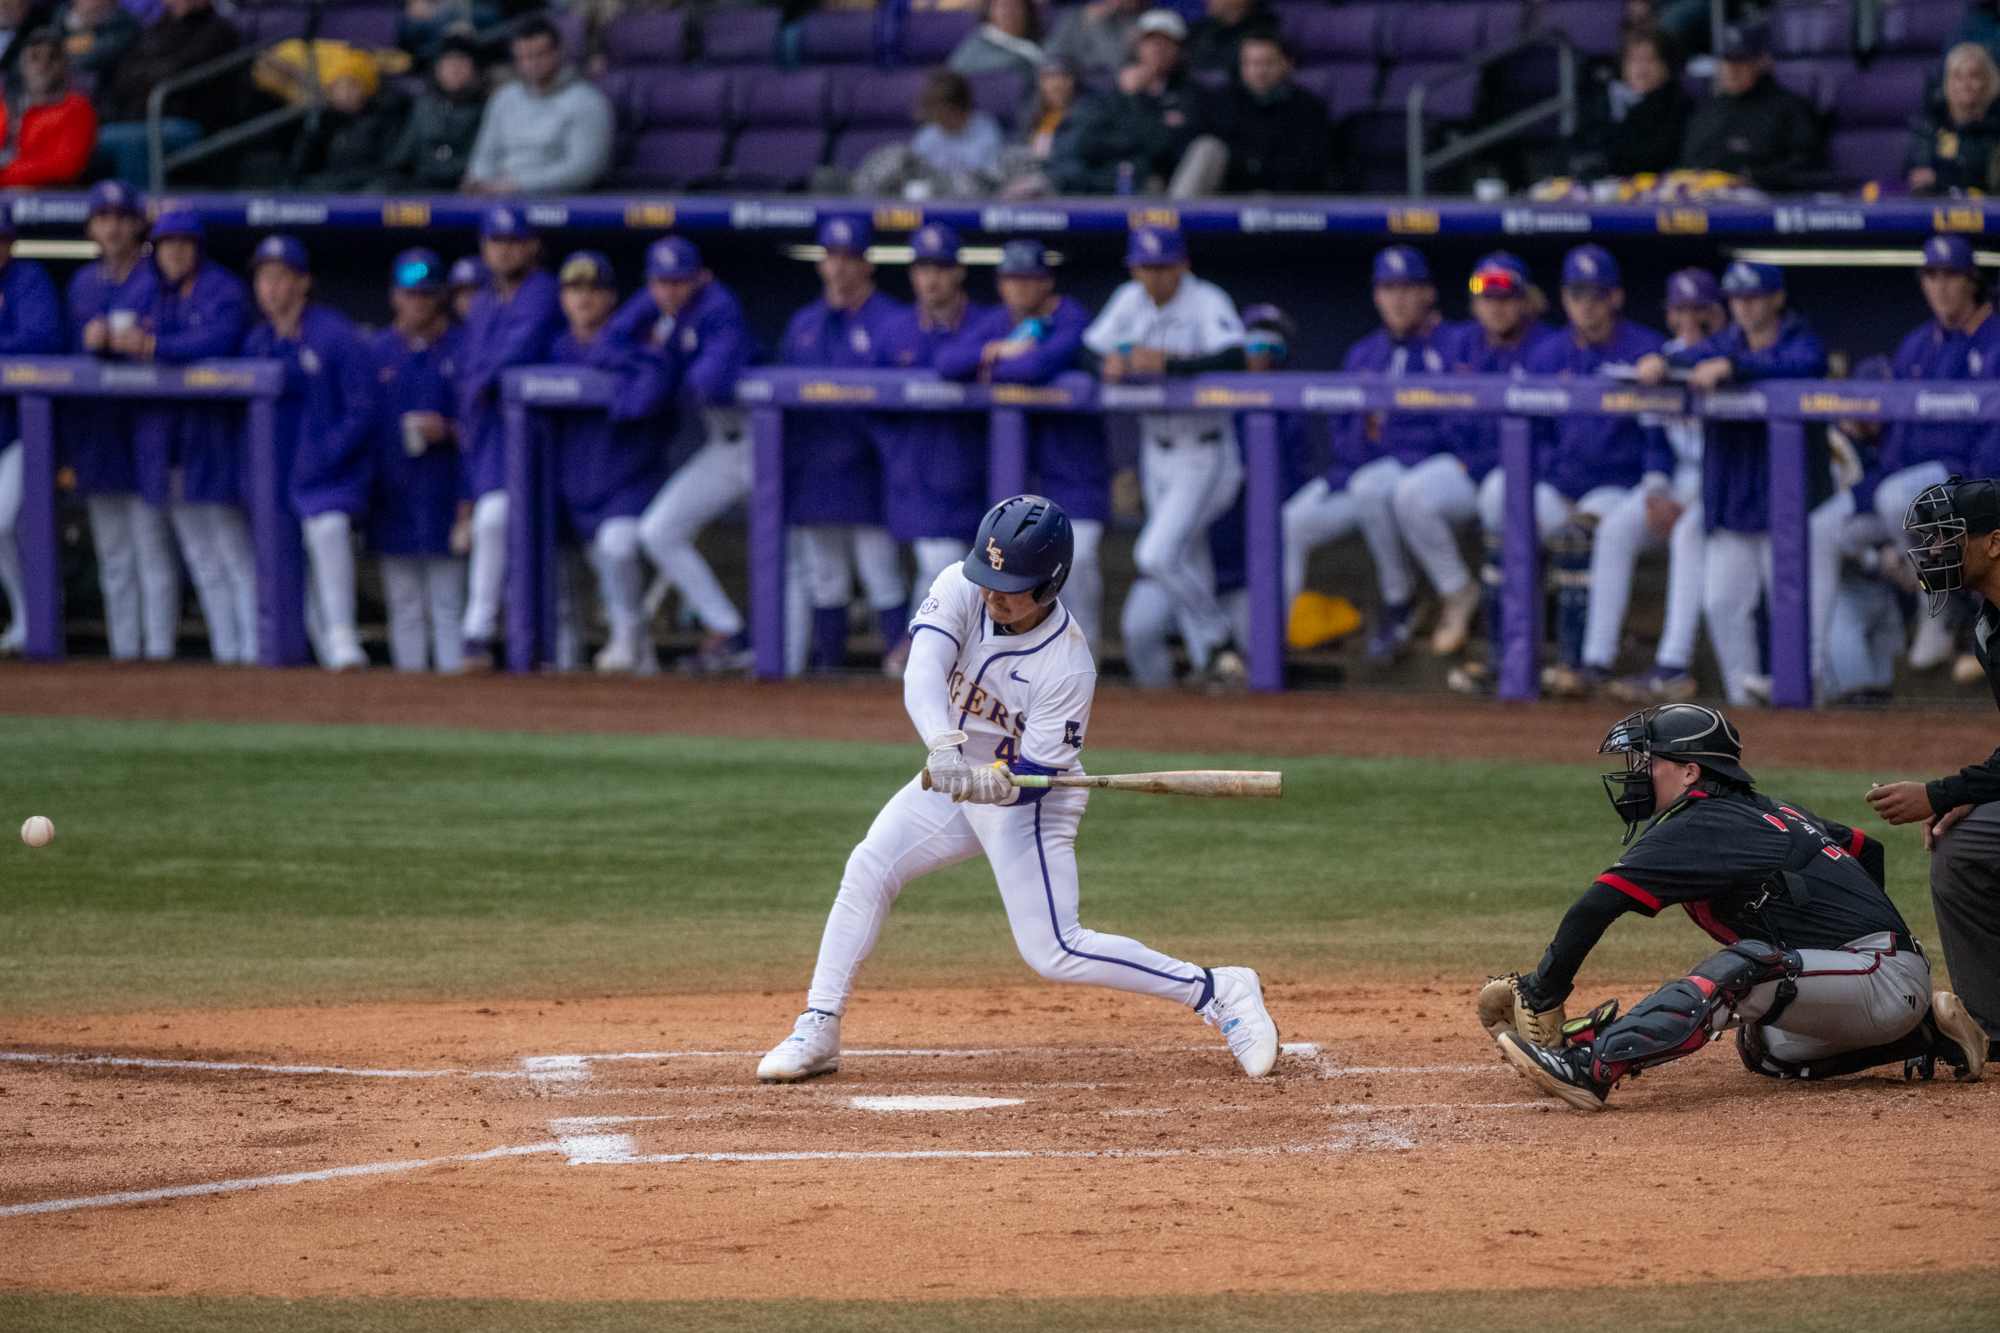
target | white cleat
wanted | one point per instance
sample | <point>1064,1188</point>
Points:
<point>1948,1012</point>
<point>1237,1008</point>
<point>811,1050</point>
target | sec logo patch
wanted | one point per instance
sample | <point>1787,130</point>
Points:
<point>930,605</point>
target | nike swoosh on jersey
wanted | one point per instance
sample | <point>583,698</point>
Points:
<point>1011,675</point>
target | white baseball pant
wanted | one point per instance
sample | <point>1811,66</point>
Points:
<point>11,463</point>
<point>621,582</point>
<point>1865,635</point>
<point>1551,509</point>
<point>1190,472</point>
<point>1433,500</point>
<point>487,572</point>
<point>934,555</point>
<point>1032,849</point>
<point>1865,993</point>
<point>1621,536</point>
<point>835,554</point>
<point>717,477</point>
<point>329,541</point>
<point>1147,622</point>
<point>215,545</point>
<point>1318,514</point>
<point>1932,641</point>
<point>426,597</point>
<point>1738,576</point>
<point>1083,594</point>
<point>140,576</point>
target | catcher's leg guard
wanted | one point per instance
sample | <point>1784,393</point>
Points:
<point>1569,567</point>
<point>1679,1018</point>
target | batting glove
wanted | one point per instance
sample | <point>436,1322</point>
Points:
<point>949,772</point>
<point>988,786</point>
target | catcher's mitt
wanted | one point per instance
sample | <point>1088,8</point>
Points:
<point>1502,1008</point>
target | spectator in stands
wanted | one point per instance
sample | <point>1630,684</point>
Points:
<point>1007,41</point>
<point>1273,134</point>
<point>31,315</point>
<point>1216,41</point>
<point>1135,142</point>
<point>955,153</point>
<point>18,18</point>
<point>436,142</point>
<point>1952,142</point>
<point>1637,121</point>
<point>415,501</point>
<point>46,131</point>
<point>357,129</point>
<point>1033,336</point>
<point>548,131</point>
<point>1061,107</point>
<point>429,27</point>
<point>97,34</point>
<point>1752,127</point>
<point>326,425</point>
<point>1096,36</point>
<point>187,34</point>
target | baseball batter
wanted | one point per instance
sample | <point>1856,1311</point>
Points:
<point>1000,681</point>
<point>1818,972</point>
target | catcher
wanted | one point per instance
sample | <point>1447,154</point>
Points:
<point>1818,972</point>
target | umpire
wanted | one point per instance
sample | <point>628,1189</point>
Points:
<point>1957,527</point>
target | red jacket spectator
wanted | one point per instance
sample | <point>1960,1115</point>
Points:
<point>47,132</point>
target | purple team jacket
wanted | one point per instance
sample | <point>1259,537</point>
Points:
<point>414,501</point>
<point>1578,454</point>
<point>833,474</point>
<point>200,317</point>
<point>933,463</point>
<point>498,335</point>
<point>326,415</point>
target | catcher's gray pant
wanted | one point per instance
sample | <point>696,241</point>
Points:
<point>1865,993</point>
<point>1965,891</point>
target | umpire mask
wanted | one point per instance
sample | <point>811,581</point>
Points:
<point>1941,518</point>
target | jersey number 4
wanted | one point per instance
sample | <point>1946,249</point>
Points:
<point>1008,751</point>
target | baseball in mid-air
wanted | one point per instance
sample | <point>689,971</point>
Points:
<point>37,831</point>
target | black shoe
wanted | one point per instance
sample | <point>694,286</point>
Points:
<point>1564,1074</point>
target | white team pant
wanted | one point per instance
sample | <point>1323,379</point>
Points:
<point>1032,848</point>
<point>834,554</point>
<point>426,597</point>
<point>1865,993</point>
<point>1621,536</point>
<point>329,540</point>
<point>139,574</point>
<point>11,462</point>
<point>934,555</point>
<point>215,544</point>
<point>1148,621</point>
<point>1083,594</point>
<point>621,582</point>
<point>1932,641</point>
<point>1432,500</point>
<point>1551,509</point>
<point>717,477</point>
<point>1188,484</point>
<point>1738,576</point>
<point>1864,638</point>
<point>487,575</point>
<point>1318,514</point>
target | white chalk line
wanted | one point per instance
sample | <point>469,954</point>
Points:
<point>259,1182</point>
<point>619,1150</point>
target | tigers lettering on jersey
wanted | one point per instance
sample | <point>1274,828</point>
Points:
<point>974,701</point>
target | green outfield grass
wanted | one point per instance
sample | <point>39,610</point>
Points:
<point>1932,1303</point>
<point>200,864</point>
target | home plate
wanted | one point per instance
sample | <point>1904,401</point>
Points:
<point>918,1103</point>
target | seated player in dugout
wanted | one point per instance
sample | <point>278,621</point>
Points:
<point>1818,973</point>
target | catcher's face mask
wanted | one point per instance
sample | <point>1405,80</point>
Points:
<point>1631,791</point>
<point>1940,555</point>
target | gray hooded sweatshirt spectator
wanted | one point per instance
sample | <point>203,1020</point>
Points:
<point>544,144</point>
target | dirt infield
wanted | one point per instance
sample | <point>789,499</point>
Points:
<point>1379,724</point>
<point>621,1149</point>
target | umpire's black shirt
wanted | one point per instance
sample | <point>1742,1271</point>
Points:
<point>1975,784</point>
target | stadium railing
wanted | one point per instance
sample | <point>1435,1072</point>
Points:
<point>769,393</point>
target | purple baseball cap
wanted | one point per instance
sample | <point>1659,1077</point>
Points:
<point>1692,287</point>
<point>417,270</point>
<point>1591,266</point>
<point>934,243</point>
<point>1499,274</point>
<point>1745,41</point>
<point>179,222</point>
<point>278,248</point>
<point>1156,245</point>
<point>1952,252</point>
<point>846,233</point>
<point>1746,279</point>
<point>469,271</point>
<point>1400,263</point>
<point>673,258</point>
<point>114,196</point>
<point>587,268</point>
<point>505,222</point>
<point>1024,257</point>
<point>1269,319</point>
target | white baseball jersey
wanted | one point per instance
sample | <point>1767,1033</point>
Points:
<point>1200,320</point>
<point>1022,699</point>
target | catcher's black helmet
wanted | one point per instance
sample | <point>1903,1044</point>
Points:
<point>1679,733</point>
<point>1940,519</point>
<point>1023,545</point>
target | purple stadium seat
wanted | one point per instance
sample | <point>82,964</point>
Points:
<point>1812,28</point>
<point>854,145</point>
<point>1592,25</point>
<point>998,94</point>
<point>774,98</point>
<point>1887,93</point>
<point>369,29</point>
<point>1818,81</point>
<point>645,39</point>
<point>1453,100</point>
<point>674,159</point>
<point>264,26</point>
<point>679,100</point>
<point>776,159</point>
<point>1433,32</point>
<point>841,38</point>
<point>1505,21</point>
<point>929,39</point>
<point>570,27</point>
<point>1855,157</point>
<point>740,37</point>
<point>1350,32</point>
<point>881,101</point>
<point>1918,27</point>
<point>1345,89</point>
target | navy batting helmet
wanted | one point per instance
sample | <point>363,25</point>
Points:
<point>1024,545</point>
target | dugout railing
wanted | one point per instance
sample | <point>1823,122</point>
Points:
<point>770,393</point>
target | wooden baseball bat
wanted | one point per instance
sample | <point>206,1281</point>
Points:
<point>1186,782</point>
